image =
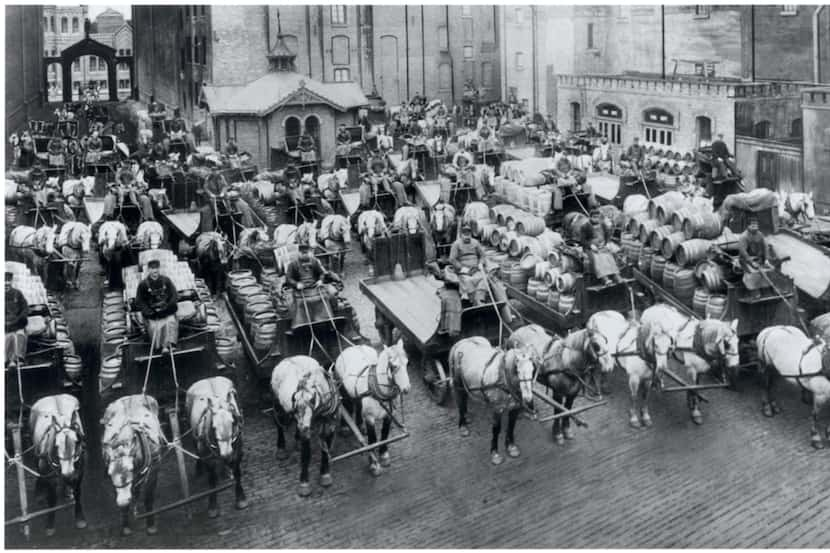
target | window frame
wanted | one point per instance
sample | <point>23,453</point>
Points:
<point>449,76</point>
<point>64,25</point>
<point>336,11</point>
<point>589,32</point>
<point>348,53</point>
<point>443,39</point>
<point>518,60</point>
<point>658,135</point>
<point>788,10</point>
<point>76,25</point>
<point>702,11</point>
<point>607,106</point>
<point>471,50</point>
<point>466,10</point>
<point>660,112</point>
<point>340,71</point>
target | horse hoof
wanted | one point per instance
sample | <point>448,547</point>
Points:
<point>50,532</point>
<point>634,422</point>
<point>559,439</point>
<point>213,513</point>
<point>375,469</point>
<point>126,532</point>
<point>496,458</point>
<point>80,524</point>
<point>326,480</point>
<point>152,530</point>
<point>697,418</point>
<point>385,459</point>
<point>775,409</point>
<point>241,504</point>
<point>464,431</point>
<point>304,489</point>
<point>766,410</point>
<point>513,451</point>
<point>282,454</point>
<point>646,420</point>
<point>569,434</point>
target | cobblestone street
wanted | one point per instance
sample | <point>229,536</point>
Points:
<point>740,480</point>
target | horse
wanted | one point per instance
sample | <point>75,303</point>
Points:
<point>112,244</point>
<point>131,446</point>
<point>75,190</point>
<point>370,225</point>
<point>442,221</point>
<point>216,421</point>
<point>304,392</point>
<point>371,382</point>
<point>150,235</point>
<point>640,355</point>
<point>409,219</point>
<point>335,235</point>
<point>59,443</point>
<point>212,253</point>
<point>563,365</point>
<point>32,246</point>
<point>73,241</point>
<point>798,206</point>
<point>786,351</point>
<point>293,234</point>
<point>698,345</point>
<point>502,379</point>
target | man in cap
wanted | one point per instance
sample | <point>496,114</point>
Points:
<point>466,256</point>
<point>230,148</point>
<point>344,137</point>
<point>752,255</point>
<point>157,300</point>
<point>593,237</point>
<point>636,153</point>
<point>17,317</point>
<point>721,159</point>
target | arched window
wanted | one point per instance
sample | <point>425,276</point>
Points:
<point>64,25</point>
<point>292,127</point>
<point>340,50</point>
<point>75,25</point>
<point>609,111</point>
<point>657,127</point>
<point>609,123</point>
<point>657,116</point>
<point>762,129</point>
<point>796,128</point>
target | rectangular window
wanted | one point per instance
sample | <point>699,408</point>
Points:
<point>610,130</point>
<point>120,51</point>
<point>486,74</point>
<point>341,74</point>
<point>102,65</point>
<point>658,137</point>
<point>789,10</point>
<point>76,66</point>
<point>129,52</point>
<point>444,76</point>
<point>467,25</point>
<point>702,11</point>
<point>468,52</point>
<point>590,36</point>
<point>64,25</point>
<point>54,52</point>
<point>520,60</point>
<point>340,50</point>
<point>442,38</point>
<point>338,15</point>
<point>52,23</point>
<point>466,11</point>
<point>75,25</point>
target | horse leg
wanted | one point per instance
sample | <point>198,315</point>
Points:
<point>558,435</point>
<point>125,521</point>
<point>241,499</point>
<point>385,458</point>
<point>282,452</point>
<point>645,389</point>
<point>149,499</point>
<point>213,510</point>
<point>566,422</point>
<point>461,402</point>
<point>304,490</point>
<point>697,416</point>
<point>51,485</point>
<point>510,441</point>
<point>372,438</point>
<point>326,441</point>
<point>815,437</point>
<point>80,519</point>
<point>634,388</point>
<point>769,382</point>
<point>495,456</point>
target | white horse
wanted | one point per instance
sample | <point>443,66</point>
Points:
<point>286,234</point>
<point>564,365</point>
<point>216,422</point>
<point>798,206</point>
<point>698,346</point>
<point>150,235</point>
<point>501,379</point>
<point>74,243</point>
<point>112,248</point>
<point>371,225</point>
<point>641,355</point>
<point>442,219</point>
<point>32,246</point>
<point>788,352</point>
<point>131,446</point>
<point>335,235</point>
<point>409,219</point>
<point>304,393</point>
<point>372,382</point>
<point>59,442</point>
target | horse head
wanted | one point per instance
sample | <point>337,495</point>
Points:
<point>726,341</point>
<point>520,362</point>
<point>808,206</point>
<point>305,401</point>
<point>597,350</point>
<point>396,361</point>
<point>340,229</point>
<point>224,425</point>
<point>412,224</point>
<point>84,237</point>
<point>123,463</point>
<point>67,447</point>
<point>46,239</point>
<point>660,344</point>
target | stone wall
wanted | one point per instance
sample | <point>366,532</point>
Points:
<point>786,164</point>
<point>816,113</point>
<point>24,65</point>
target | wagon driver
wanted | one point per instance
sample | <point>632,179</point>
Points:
<point>466,256</point>
<point>17,312</point>
<point>752,254</point>
<point>594,239</point>
<point>157,299</point>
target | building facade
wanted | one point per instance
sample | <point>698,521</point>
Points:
<point>64,26</point>
<point>24,65</point>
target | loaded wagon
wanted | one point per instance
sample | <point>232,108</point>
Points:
<point>411,305</point>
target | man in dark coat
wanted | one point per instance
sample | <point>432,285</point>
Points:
<point>752,254</point>
<point>157,299</point>
<point>721,158</point>
<point>17,317</point>
<point>636,153</point>
<point>593,237</point>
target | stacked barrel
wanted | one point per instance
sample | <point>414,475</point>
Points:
<point>253,301</point>
<point>671,168</point>
<point>671,241</point>
<point>523,184</point>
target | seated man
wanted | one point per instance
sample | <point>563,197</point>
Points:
<point>344,137</point>
<point>94,145</point>
<point>466,257</point>
<point>593,239</point>
<point>722,165</point>
<point>752,253</point>
<point>17,317</point>
<point>602,156</point>
<point>636,154</point>
<point>230,148</point>
<point>306,146</point>
<point>157,299</point>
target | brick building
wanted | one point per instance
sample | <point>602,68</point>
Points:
<point>24,65</point>
<point>64,26</point>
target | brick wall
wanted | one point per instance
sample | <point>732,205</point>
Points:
<point>24,65</point>
<point>239,44</point>
<point>784,43</point>
<point>816,114</point>
<point>788,162</point>
<point>156,53</point>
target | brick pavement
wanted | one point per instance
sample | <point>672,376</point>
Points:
<point>740,480</point>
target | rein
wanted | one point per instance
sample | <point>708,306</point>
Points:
<point>801,373</point>
<point>209,438</point>
<point>145,450</point>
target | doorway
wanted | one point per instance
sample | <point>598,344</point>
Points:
<point>576,116</point>
<point>767,170</point>
<point>703,129</point>
<point>312,127</point>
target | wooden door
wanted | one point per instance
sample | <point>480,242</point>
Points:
<point>767,170</point>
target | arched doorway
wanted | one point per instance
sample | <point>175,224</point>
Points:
<point>703,130</point>
<point>312,127</point>
<point>102,74</point>
<point>292,128</point>
<point>54,82</point>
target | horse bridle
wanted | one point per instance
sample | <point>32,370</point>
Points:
<point>139,476</point>
<point>322,410</point>
<point>79,447</point>
<point>212,441</point>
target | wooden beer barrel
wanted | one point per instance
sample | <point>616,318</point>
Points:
<point>699,301</point>
<point>658,265</point>
<point>669,271</point>
<point>690,252</point>
<point>657,236</point>
<point>646,228</point>
<point>566,303</point>
<point>670,243</point>
<point>565,283</point>
<point>716,306</point>
<point>684,285</point>
<point>644,261</point>
<point>702,225</point>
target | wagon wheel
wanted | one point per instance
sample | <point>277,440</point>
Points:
<point>437,386</point>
